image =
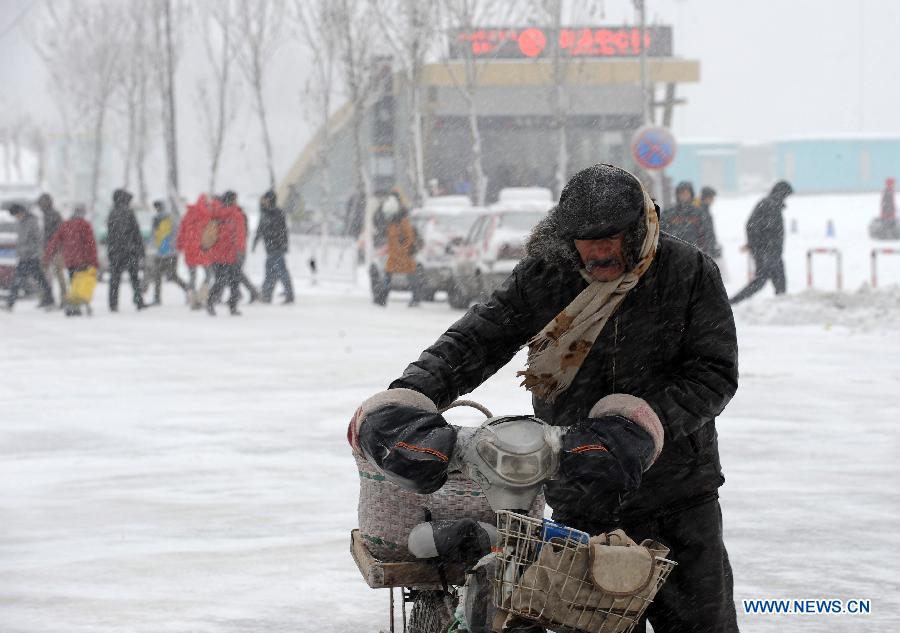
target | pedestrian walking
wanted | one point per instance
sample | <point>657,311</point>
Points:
<point>273,231</point>
<point>165,261</point>
<point>74,242</point>
<point>29,247</point>
<point>195,220</point>
<point>55,268</point>
<point>765,241</point>
<point>402,243</point>
<point>225,239</point>
<point>126,249</point>
<point>229,199</point>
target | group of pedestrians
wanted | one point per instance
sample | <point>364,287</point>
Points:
<point>212,235</point>
<point>691,221</point>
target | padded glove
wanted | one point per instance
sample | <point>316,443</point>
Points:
<point>605,456</point>
<point>402,434</point>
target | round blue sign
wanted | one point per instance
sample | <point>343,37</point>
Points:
<point>653,147</point>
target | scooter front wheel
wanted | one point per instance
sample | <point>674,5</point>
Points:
<point>432,612</point>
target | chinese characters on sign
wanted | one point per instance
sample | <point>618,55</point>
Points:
<point>607,41</point>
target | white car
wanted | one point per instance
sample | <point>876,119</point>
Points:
<point>8,237</point>
<point>494,245</point>
<point>441,223</point>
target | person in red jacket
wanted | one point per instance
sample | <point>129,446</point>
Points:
<point>224,253</point>
<point>189,233</point>
<point>75,240</point>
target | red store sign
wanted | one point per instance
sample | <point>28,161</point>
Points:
<point>536,42</point>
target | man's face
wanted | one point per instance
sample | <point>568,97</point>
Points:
<point>684,196</point>
<point>45,203</point>
<point>603,258</point>
<point>708,200</point>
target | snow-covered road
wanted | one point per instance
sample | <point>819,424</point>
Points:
<point>166,471</point>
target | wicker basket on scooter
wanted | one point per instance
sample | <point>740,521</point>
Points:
<point>567,580</point>
<point>387,512</point>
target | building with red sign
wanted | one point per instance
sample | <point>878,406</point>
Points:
<point>517,75</point>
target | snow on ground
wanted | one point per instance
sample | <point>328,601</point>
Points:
<point>170,472</point>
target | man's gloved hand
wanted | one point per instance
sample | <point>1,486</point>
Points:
<point>606,455</point>
<point>402,434</point>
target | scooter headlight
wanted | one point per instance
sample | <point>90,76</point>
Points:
<point>516,450</point>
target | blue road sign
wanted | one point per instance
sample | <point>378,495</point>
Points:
<point>653,147</point>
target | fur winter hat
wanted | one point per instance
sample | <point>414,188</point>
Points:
<point>600,201</point>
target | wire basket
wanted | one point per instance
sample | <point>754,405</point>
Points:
<point>543,574</point>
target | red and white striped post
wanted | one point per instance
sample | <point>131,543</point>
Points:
<point>839,272</point>
<point>875,252</point>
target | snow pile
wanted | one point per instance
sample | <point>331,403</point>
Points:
<point>866,309</point>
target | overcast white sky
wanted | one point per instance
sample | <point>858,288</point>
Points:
<point>770,68</point>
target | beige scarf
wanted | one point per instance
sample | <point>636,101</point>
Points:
<point>556,353</point>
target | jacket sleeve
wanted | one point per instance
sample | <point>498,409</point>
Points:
<point>474,347</point>
<point>136,236</point>
<point>52,246</point>
<point>704,381</point>
<point>259,232</point>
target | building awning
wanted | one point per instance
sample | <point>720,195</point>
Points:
<point>587,72</point>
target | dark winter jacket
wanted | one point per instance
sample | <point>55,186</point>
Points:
<point>765,229</point>
<point>52,221</point>
<point>671,342</point>
<point>123,237</point>
<point>273,231</point>
<point>29,244</point>
<point>693,224</point>
<point>75,238</point>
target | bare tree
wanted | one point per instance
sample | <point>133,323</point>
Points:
<point>86,62</point>
<point>218,106</point>
<point>553,15</point>
<point>317,24</point>
<point>133,89</point>
<point>6,142</point>
<point>467,15</point>
<point>409,27</point>
<point>166,46</point>
<point>354,27</point>
<point>261,29</point>
<point>36,141</point>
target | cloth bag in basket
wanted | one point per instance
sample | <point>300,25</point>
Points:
<point>601,587</point>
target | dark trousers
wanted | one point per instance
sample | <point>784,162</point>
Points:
<point>276,270</point>
<point>25,269</point>
<point>698,595</point>
<point>415,285</point>
<point>192,276</point>
<point>166,268</point>
<point>766,269</point>
<point>244,279</point>
<point>115,278</point>
<point>225,275</point>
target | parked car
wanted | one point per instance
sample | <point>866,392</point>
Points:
<point>441,224</point>
<point>493,246</point>
<point>8,238</point>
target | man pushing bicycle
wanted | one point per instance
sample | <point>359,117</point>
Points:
<point>632,346</point>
